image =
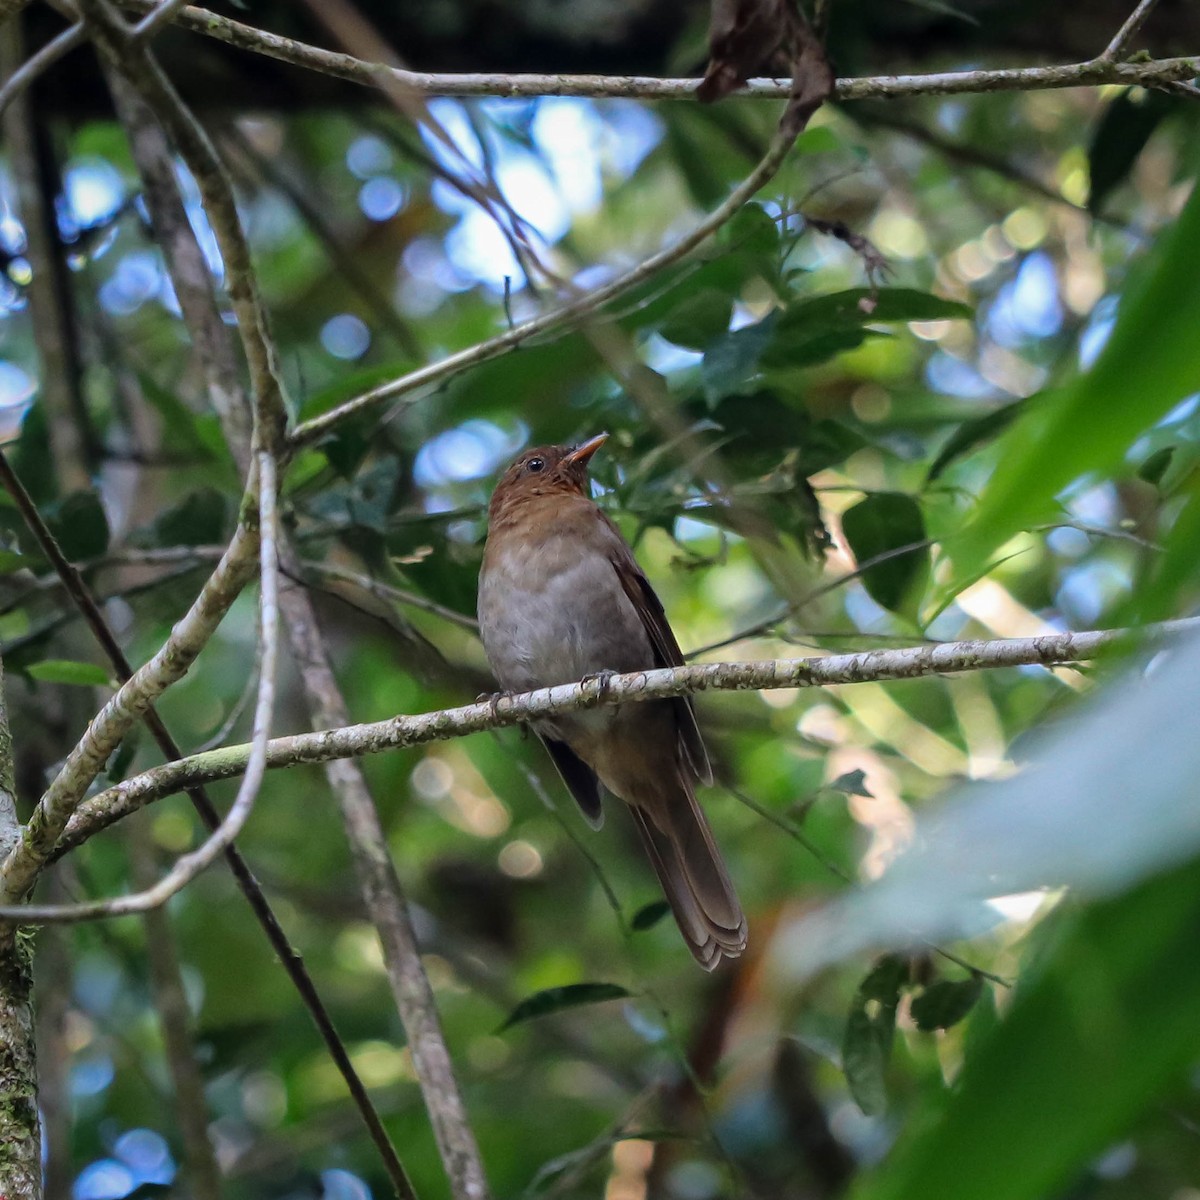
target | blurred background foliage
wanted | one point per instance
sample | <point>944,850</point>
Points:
<point>798,457</point>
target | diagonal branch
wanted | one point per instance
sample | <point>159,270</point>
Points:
<point>171,662</point>
<point>575,309</point>
<point>191,865</point>
<point>352,741</point>
<point>388,911</point>
<point>1128,31</point>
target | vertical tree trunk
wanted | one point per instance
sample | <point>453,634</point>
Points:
<point>20,1129</point>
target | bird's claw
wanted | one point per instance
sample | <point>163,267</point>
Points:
<point>603,678</point>
<point>493,701</point>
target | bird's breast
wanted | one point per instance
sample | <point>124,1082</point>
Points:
<point>552,612</point>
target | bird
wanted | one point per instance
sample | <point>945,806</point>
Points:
<point>562,599</point>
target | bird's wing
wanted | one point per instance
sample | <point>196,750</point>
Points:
<point>666,654</point>
<point>580,779</point>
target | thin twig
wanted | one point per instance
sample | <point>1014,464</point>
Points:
<point>353,741</point>
<point>39,63</point>
<point>1128,31</point>
<point>768,623</point>
<point>166,11</point>
<point>393,595</point>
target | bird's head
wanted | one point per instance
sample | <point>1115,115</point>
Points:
<point>544,471</point>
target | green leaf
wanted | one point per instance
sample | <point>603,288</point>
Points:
<point>946,1002</point>
<point>752,229</point>
<point>1153,468</point>
<point>61,670</point>
<point>969,435</point>
<point>853,783</point>
<point>11,560</point>
<point>649,915</point>
<point>1120,137</point>
<point>881,527</point>
<point>870,1027</point>
<point>80,526</point>
<point>1105,1028</point>
<point>732,360</point>
<point>555,999</point>
<point>699,319</point>
<point>862,306</point>
<point>818,139</point>
<point>199,519</point>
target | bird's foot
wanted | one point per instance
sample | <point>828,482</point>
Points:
<point>603,678</point>
<point>493,700</point>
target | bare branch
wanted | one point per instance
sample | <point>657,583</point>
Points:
<point>1128,31</point>
<point>388,910</point>
<point>634,87</point>
<point>175,1024</point>
<point>39,63</point>
<point>135,61</point>
<point>352,741</point>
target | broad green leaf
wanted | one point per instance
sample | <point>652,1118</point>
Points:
<point>889,524</point>
<point>752,229</point>
<point>946,1002</point>
<point>649,915</point>
<point>870,1028</point>
<point>699,319</point>
<point>969,435</point>
<point>1099,805</point>
<point>80,526</point>
<point>201,518</point>
<point>1147,365</point>
<point>864,306</point>
<point>818,139</point>
<point>11,560</point>
<point>552,1000</point>
<point>1090,1043</point>
<point>732,360</point>
<point>1120,137</point>
<point>61,670</point>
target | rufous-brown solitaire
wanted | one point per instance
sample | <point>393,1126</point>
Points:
<point>561,598</point>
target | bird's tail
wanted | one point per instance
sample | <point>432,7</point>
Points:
<point>694,880</point>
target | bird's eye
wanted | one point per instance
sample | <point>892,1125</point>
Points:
<point>536,464</point>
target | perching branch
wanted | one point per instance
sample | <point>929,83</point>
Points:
<point>398,732</point>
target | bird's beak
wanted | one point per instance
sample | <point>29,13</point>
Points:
<point>581,454</point>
